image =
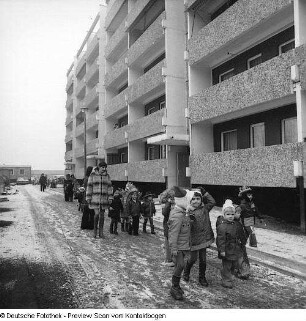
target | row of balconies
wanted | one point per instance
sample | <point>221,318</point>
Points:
<point>268,81</point>
<point>139,129</point>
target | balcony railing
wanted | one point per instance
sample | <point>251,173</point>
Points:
<point>117,172</point>
<point>93,48</point>
<point>69,102</point>
<point>68,155</point>
<point>80,89</point>
<point>68,137</point>
<point>115,137</point>
<point>270,166</point>
<point>268,81</point>
<point>92,146</point>
<point>147,171</point>
<point>69,82</point>
<point>116,40</point>
<point>92,98</point>
<point>118,70</point>
<point>80,63</point>
<point>79,152</point>
<point>92,75</point>
<point>147,83</point>
<point>79,130</point>
<point>91,120</point>
<point>225,29</point>
<point>136,11</point>
<point>148,40</point>
<point>117,104</point>
<point>114,8</point>
<point>69,119</point>
<point>146,126</point>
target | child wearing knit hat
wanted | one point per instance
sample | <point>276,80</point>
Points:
<point>230,242</point>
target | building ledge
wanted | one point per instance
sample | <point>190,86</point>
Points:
<point>166,139</point>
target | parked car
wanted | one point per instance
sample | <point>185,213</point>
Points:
<point>22,181</point>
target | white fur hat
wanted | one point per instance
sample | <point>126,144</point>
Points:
<point>228,207</point>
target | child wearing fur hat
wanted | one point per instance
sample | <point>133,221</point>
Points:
<point>230,239</point>
<point>134,210</point>
<point>115,209</point>
<point>148,210</point>
<point>179,237</point>
<point>202,235</point>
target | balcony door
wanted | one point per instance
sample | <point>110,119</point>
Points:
<point>182,161</point>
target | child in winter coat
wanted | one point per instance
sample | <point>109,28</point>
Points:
<point>179,237</point>
<point>134,210</point>
<point>230,239</point>
<point>115,210</point>
<point>202,235</point>
<point>148,210</point>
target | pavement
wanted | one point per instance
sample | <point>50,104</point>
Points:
<point>283,252</point>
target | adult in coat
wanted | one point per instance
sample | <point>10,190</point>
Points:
<point>99,189</point>
<point>43,182</point>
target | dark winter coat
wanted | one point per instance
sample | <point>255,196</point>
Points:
<point>179,230</point>
<point>68,186</point>
<point>43,180</point>
<point>248,211</point>
<point>99,189</point>
<point>230,238</point>
<point>133,208</point>
<point>202,235</point>
<point>166,213</point>
<point>115,208</point>
<point>148,208</point>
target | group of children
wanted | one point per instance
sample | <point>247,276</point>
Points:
<point>189,234</point>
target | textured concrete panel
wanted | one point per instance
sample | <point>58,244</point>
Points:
<point>116,104</point>
<point>270,166</point>
<point>147,40</point>
<point>116,38</point>
<point>117,70</point>
<point>147,171</point>
<point>267,81</point>
<point>239,18</point>
<point>146,83</point>
<point>115,137</point>
<point>146,126</point>
<point>114,8</point>
<point>136,11</point>
<point>303,75</point>
<point>116,172</point>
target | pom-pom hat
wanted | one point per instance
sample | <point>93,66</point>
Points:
<point>228,207</point>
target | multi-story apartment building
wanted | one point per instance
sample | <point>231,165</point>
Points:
<point>247,98</point>
<point>214,89</point>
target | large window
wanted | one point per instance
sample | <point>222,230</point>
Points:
<point>258,135</point>
<point>21,171</point>
<point>229,140</point>
<point>289,130</point>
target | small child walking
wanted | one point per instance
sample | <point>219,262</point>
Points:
<point>230,239</point>
<point>134,210</point>
<point>115,211</point>
<point>148,210</point>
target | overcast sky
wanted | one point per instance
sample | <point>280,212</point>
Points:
<point>38,41</point>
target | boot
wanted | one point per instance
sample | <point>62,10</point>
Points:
<point>122,226</point>
<point>202,278</point>
<point>96,219</point>
<point>111,229</point>
<point>187,269</point>
<point>175,290</point>
<point>101,225</point>
<point>152,230</point>
<point>144,228</point>
<point>115,229</point>
<point>127,225</point>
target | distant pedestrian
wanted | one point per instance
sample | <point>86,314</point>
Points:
<point>179,237</point>
<point>43,182</point>
<point>230,239</point>
<point>134,210</point>
<point>201,234</point>
<point>98,191</point>
<point>115,209</point>
<point>248,213</point>
<point>68,188</point>
<point>148,210</point>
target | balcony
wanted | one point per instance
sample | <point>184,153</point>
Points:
<point>68,155</point>
<point>147,126</point>
<point>79,130</point>
<point>116,105</point>
<point>117,73</point>
<point>147,85</point>
<point>69,119</point>
<point>137,9</point>
<point>93,48</point>
<point>92,75</point>
<point>152,38</point>
<point>270,166</point>
<point>117,172</point>
<point>80,89</point>
<point>91,120</point>
<point>69,102</point>
<point>115,6</point>
<point>80,63</point>
<point>119,40</point>
<point>115,138</point>
<point>92,98</point>
<point>79,152</point>
<point>147,171</point>
<point>92,147</point>
<point>268,81</point>
<point>69,82</point>
<point>68,137</point>
<point>242,25</point>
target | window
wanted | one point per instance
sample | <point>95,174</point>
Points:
<point>258,135</point>
<point>97,133</point>
<point>162,105</point>
<point>154,63</point>
<point>151,110</point>
<point>286,46</point>
<point>122,88</point>
<point>11,171</point>
<point>123,158</point>
<point>151,153</point>
<point>21,171</point>
<point>289,130</point>
<point>254,61</point>
<point>226,75</point>
<point>163,151</point>
<point>229,140</point>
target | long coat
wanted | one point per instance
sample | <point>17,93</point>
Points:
<point>179,230</point>
<point>202,235</point>
<point>99,189</point>
<point>148,208</point>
